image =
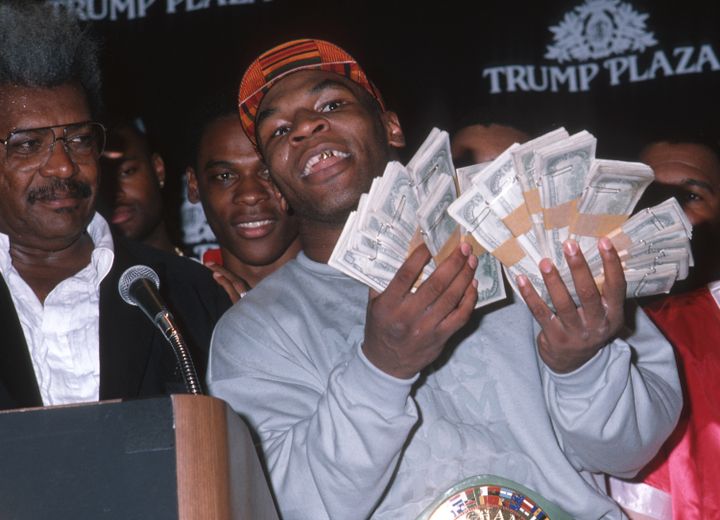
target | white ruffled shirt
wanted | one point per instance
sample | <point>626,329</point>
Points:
<point>63,334</point>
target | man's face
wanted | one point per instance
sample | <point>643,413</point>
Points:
<point>692,172</point>
<point>45,204</point>
<point>244,209</point>
<point>477,144</point>
<point>131,184</point>
<point>323,143</point>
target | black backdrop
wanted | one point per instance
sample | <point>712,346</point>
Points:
<point>427,58</point>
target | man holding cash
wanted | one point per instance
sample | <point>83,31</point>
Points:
<point>373,405</point>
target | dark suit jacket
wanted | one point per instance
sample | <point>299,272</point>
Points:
<point>135,359</point>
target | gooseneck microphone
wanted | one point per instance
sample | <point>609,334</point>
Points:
<point>139,286</point>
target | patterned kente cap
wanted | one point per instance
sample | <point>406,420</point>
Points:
<point>290,57</point>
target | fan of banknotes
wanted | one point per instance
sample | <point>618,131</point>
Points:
<point>515,211</point>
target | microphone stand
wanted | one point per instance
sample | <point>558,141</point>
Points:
<point>165,322</point>
<point>138,286</point>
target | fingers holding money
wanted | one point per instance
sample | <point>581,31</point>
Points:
<point>573,334</point>
<point>408,274</point>
<point>442,293</point>
<point>405,331</point>
<point>615,286</point>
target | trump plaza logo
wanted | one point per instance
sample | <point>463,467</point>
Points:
<point>601,40</point>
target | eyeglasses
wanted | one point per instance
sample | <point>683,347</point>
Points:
<point>32,147</point>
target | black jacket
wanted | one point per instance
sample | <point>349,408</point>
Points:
<point>135,359</point>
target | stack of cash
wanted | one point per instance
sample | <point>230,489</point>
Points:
<point>404,207</point>
<point>523,205</point>
<point>515,211</point>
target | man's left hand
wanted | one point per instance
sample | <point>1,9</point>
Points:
<point>572,335</point>
<point>235,286</point>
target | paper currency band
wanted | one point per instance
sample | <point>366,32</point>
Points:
<point>590,225</point>
<point>560,216</point>
<point>477,249</point>
<point>291,57</point>
<point>509,252</point>
<point>621,240</point>
<point>449,246</point>
<point>518,221</point>
<point>532,199</point>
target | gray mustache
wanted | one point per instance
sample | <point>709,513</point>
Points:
<point>60,188</point>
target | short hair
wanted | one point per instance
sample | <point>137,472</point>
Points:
<point>134,123</point>
<point>700,137</point>
<point>216,104</point>
<point>44,46</point>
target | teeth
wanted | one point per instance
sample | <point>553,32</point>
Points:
<point>256,224</point>
<point>325,154</point>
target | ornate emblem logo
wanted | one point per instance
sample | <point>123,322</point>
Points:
<point>488,497</point>
<point>488,503</point>
<point>598,29</point>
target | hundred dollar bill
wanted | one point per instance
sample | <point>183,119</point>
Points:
<point>497,175</point>
<point>442,233</point>
<point>499,186</point>
<point>524,160</point>
<point>353,263</point>
<point>386,223</point>
<point>613,189</point>
<point>488,274</point>
<point>466,175</point>
<point>374,248</point>
<point>432,159</point>
<point>438,228</point>
<point>490,280</point>
<point>386,214</point>
<point>647,282</point>
<point>472,212</point>
<point>395,199</point>
<point>679,257</point>
<point>563,169</point>
<point>658,280</point>
<point>427,143</point>
<point>673,237</point>
<point>644,226</point>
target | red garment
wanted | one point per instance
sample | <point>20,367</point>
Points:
<point>212,255</point>
<point>688,465</point>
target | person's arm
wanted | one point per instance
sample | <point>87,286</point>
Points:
<point>614,413</point>
<point>612,389</point>
<point>330,446</point>
<point>333,444</point>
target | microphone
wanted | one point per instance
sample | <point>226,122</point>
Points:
<point>138,286</point>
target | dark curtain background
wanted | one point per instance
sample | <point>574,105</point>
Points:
<point>427,58</point>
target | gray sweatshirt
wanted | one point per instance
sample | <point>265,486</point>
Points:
<point>344,440</point>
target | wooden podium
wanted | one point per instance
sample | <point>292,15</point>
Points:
<point>178,457</point>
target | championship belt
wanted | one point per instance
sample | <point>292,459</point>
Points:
<point>487,497</point>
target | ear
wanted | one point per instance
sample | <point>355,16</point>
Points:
<point>192,185</point>
<point>281,199</point>
<point>394,132</point>
<point>283,203</point>
<point>159,168</point>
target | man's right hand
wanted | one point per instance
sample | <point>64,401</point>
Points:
<point>406,331</point>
